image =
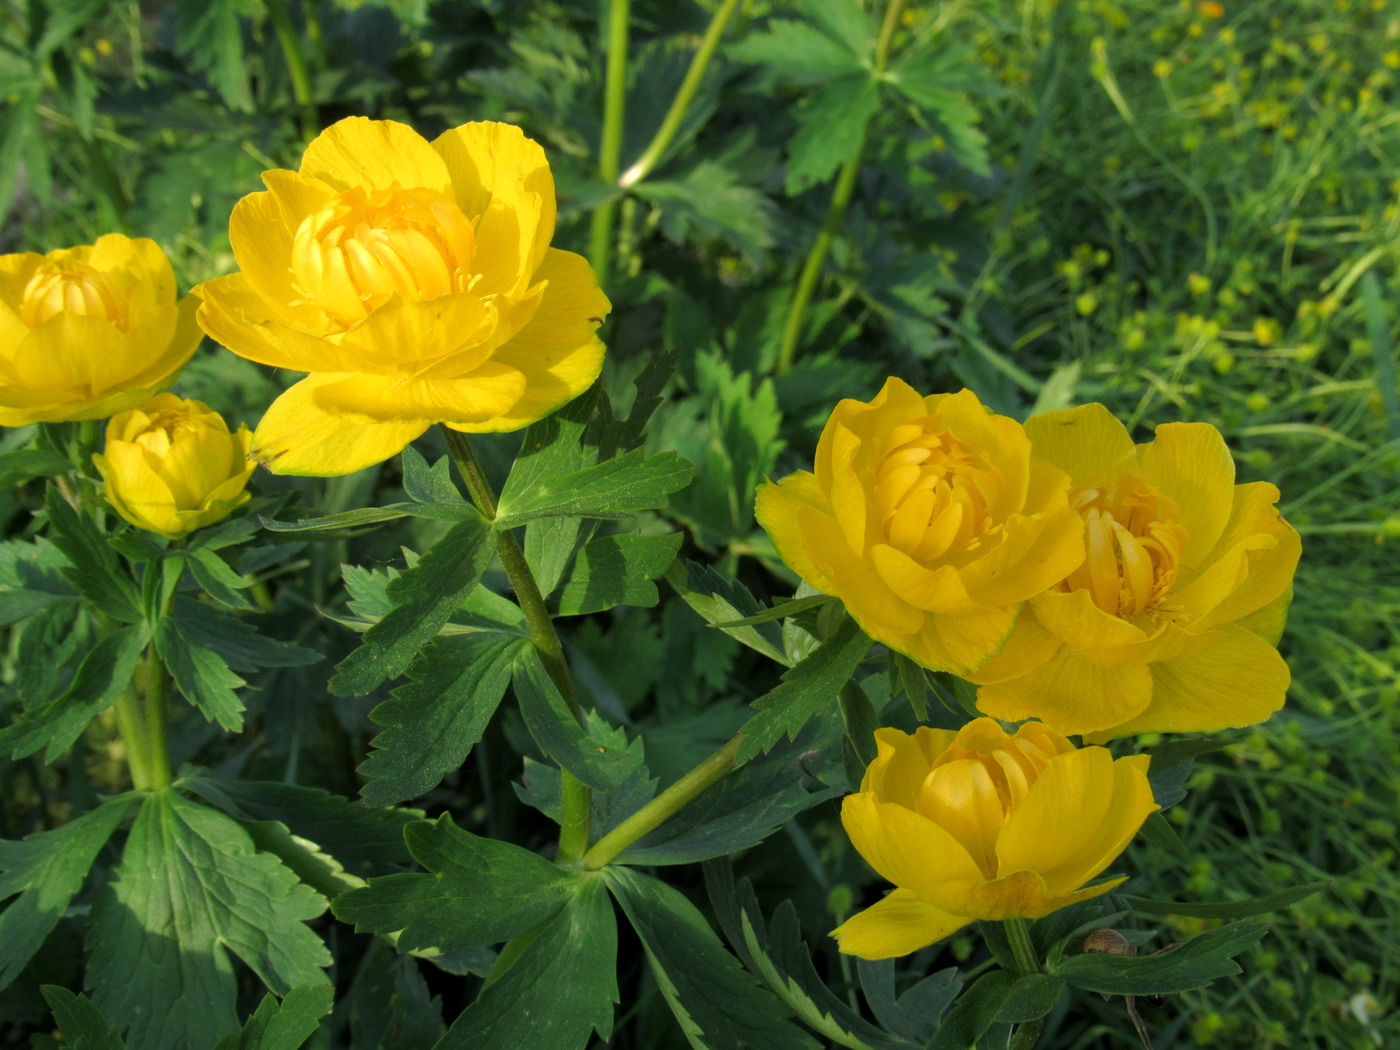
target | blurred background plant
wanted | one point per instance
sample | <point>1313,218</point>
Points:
<point>1185,210</point>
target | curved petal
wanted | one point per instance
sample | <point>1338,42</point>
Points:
<point>897,925</point>
<point>779,507</point>
<point>902,762</point>
<point>1072,617</point>
<point>905,848</point>
<point>1029,646</point>
<point>1077,817</point>
<point>236,316</point>
<point>959,644</point>
<point>1238,680</point>
<point>1000,441</point>
<point>1193,465</point>
<point>1035,553</point>
<point>374,154</point>
<point>1087,442</point>
<point>491,164</point>
<point>1022,895</point>
<point>1071,694</point>
<point>261,232</point>
<point>299,436</point>
<point>557,351</point>
<point>406,336</point>
<point>933,590</point>
<point>485,394</point>
<point>1270,553</point>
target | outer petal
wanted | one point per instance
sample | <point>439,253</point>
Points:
<point>1070,693</point>
<point>1087,442</point>
<point>933,590</point>
<point>902,762</point>
<point>1270,567</point>
<point>882,613</point>
<point>261,230</point>
<point>905,848</point>
<point>1035,553</point>
<point>1072,617</point>
<point>1029,646</point>
<point>959,644</point>
<point>299,436</point>
<point>234,314</point>
<point>778,506</point>
<point>897,925</point>
<point>557,351</point>
<point>374,154</point>
<point>1024,895</point>
<point>485,394</point>
<point>1192,464</point>
<point>1237,681</point>
<point>1080,814</point>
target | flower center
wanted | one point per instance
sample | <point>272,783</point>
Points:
<point>932,490</point>
<point>71,287</point>
<point>1133,540</point>
<point>365,247</point>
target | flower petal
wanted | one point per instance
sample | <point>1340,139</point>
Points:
<point>1086,442</point>
<point>300,436</point>
<point>234,314</point>
<point>483,395</point>
<point>1029,646</point>
<point>374,154</point>
<point>959,644</point>
<point>1267,568</point>
<point>779,506</point>
<point>933,590</point>
<point>1193,465</point>
<point>902,762</point>
<point>1023,895</point>
<point>1070,693</point>
<point>1035,553</point>
<point>905,848</point>
<point>1072,617</point>
<point>1238,680</point>
<point>261,230</point>
<point>897,925</point>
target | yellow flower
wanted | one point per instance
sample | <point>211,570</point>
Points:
<point>416,285</point>
<point>89,331</point>
<point>171,466</point>
<point>928,518</point>
<point>983,824</point>
<point>1170,623</point>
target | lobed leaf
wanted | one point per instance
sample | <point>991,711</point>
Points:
<point>617,570</point>
<point>616,488</point>
<point>1194,964</point>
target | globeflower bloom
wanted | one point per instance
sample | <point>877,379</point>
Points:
<point>929,519</point>
<point>414,282</point>
<point>171,466</point>
<point>1170,624</point>
<point>87,332</point>
<point>985,824</point>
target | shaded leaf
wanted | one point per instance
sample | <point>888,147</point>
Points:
<point>285,1025</point>
<point>1232,909</point>
<point>833,120</point>
<point>202,675</point>
<point>616,488</point>
<point>81,1023</point>
<point>1193,964</point>
<point>93,567</point>
<point>617,570</point>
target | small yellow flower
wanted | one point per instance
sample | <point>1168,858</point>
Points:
<point>415,283</point>
<point>89,331</point>
<point>984,824</point>
<point>172,466</point>
<point>1170,623</point>
<point>928,518</point>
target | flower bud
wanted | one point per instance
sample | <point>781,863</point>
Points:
<point>171,466</point>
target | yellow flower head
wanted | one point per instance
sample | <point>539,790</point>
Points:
<point>171,466</point>
<point>985,824</point>
<point>415,283</point>
<point>89,331</point>
<point>929,519</point>
<point>1170,623</point>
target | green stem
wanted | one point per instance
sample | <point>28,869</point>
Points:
<point>129,724</point>
<point>573,832</point>
<point>1023,951</point>
<point>157,740</point>
<point>836,212</point>
<point>296,64</point>
<point>663,806</point>
<point>610,149</point>
<point>651,156</point>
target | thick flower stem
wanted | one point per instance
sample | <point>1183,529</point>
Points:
<point>157,692</point>
<point>651,156</point>
<point>573,831</point>
<point>610,148</point>
<point>133,731</point>
<point>663,806</point>
<point>1019,935</point>
<point>835,213</point>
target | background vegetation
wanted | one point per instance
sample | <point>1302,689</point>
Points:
<point>1187,211</point>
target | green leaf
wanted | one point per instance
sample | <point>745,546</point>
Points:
<point>428,485</point>
<point>1157,830</point>
<point>434,720</point>
<point>847,21</point>
<point>1232,909</point>
<point>617,570</point>
<point>708,201</point>
<point>1032,997</point>
<point>44,648</point>
<point>367,841</point>
<point>190,889</point>
<point>32,579</point>
<point>917,1012</point>
<point>805,690</point>
<point>724,601</point>
<point>975,1011</point>
<point>20,464</point>
<point>424,598</point>
<point>558,733</point>
<point>833,120</point>
<point>717,1004</point>
<point>617,488</point>
<point>541,784</point>
<point>241,644</point>
<point>476,891</point>
<point>105,671</point>
<point>389,1006</point>
<point>93,567</point>
<point>46,870</point>
<point>782,609</point>
<point>1193,964</point>
<point>558,992</point>
<point>202,675</point>
<point>351,519</point>
<point>218,580</point>
<point>937,79</point>
<point>81,1023</point>
<point>210,37</point>
<point>798,54</point>
<point>285,1025</point>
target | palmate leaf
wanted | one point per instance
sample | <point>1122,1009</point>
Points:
<point>81,1023</point>
<point>437,717</point>
<point>616,570</point>
<point>190,889</point>
<point>799,54</point>
<point>708,200</point>
<point>46,870</point>
<point>616,488</point>
<point>721,600</point>
<point>237,641</point>
<point>1192,964</point>
<point>938,79</point>
<point>833,120</point>
<point>717,1004</point>
<point>476,891</point>
<point>32,579</point>
<point>285,1025</point>
<point>210,36</point>
<point>559,991</point>
<point>93,567</point>
<point>202,675</point>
